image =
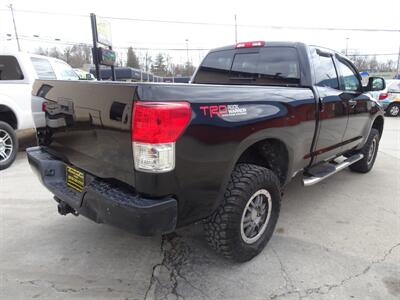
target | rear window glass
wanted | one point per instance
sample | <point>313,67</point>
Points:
<point>43,68</point>
<point>394,86</point>
<point>9,68</point>
<point>265,66</point>
<point>244,65</point>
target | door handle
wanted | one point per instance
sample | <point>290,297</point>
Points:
<point>352,103</point>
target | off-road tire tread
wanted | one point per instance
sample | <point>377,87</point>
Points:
<point>362,166</point>
<point>219,230</point>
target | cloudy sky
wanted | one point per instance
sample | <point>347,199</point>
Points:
<point>257,20</point>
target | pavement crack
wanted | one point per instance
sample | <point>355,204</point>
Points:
<point>166,275</point>
<point>290,288</point>
<point>327,288</point>
<point>52,285</point>
<point>153,278</point>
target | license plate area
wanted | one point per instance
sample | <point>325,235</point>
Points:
<point>74,178</point>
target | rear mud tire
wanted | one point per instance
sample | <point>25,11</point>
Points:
<point>230,228</point>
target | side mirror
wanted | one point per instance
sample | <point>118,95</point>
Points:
<point>375,84</point>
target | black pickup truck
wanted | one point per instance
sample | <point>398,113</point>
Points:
<point>151,157</point>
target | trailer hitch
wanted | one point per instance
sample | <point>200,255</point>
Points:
<point>64,209</point>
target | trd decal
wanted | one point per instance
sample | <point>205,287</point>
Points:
<point>223,110</point>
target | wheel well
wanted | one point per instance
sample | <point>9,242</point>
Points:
<point>269,153</point>
<point>378,124</point>
<point>8,116</point>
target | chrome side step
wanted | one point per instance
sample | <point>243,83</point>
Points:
<point>323,171</point>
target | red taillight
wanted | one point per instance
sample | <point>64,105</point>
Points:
<point>44,104</point>
<point>383,96</point>
<point>159,122</point>
<point>250,44</point>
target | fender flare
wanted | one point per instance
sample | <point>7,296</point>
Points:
<point>251,140</point>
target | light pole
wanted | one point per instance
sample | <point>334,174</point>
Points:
<point>235,30</point>
<point>15,27</point>
<point>146,60</point>
<point>347,45</point>
<point>187,51</point>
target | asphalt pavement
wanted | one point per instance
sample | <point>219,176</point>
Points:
<point>339,239</point>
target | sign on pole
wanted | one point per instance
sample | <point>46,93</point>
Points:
<point>104,32</point>
<point>101,32</point>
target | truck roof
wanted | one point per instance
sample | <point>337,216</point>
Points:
<point>266,44</point>
<point>282,44</point>
<point>20,54</point>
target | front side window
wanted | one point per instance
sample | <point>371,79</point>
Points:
<point>325,72</point>
<point>9,68</point>
<point>349,79</point>
<point>43,68</point>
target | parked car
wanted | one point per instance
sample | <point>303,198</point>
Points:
<point>389,98</point>
<point>83,75</point>
<point>126,74</point>
<point>18,71</point>
<point>151,157</point>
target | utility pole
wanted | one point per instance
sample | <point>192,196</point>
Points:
<point>15,27</point>
<point>235,30</point>
<point>187,51</point>
<point>146,60</point>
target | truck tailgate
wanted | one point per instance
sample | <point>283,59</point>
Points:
<point>88,124</point>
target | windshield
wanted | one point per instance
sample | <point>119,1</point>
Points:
<point>65,71</point>
<point>255,66</point>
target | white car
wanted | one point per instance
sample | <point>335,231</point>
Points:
<point>83,75</point>
<point>389,98</point>
<point>18,71</point>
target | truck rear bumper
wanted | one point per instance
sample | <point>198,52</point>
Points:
<point>105,202</point>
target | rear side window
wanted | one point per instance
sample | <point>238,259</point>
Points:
<point>265,66</point>
<point>9,68</point>
<point>325,72</point>
<point>43,68</point>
